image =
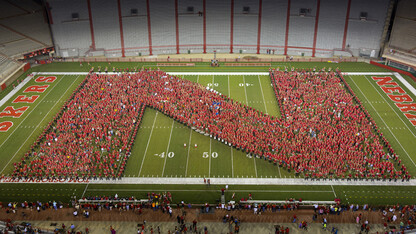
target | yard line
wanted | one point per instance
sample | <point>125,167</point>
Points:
<point>383,121</point>
<point>189,148</point>
<point>245,91</point>
<point>262,94</point>
<point>231,148</point>
<point>210,140</point>
<point>204,190</point>
<point>85,190</point>
<point>209,172</point>
<point>189,145</point>
<point>40,101</point>
<point>255,166</point>
<point>167,149</point>
<point>39,122</point>
<point>394,110</point>
<point>147,146</point>
<point>232,163</point>
<point>333,191</point>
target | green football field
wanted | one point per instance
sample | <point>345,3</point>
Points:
<point>165,148</point>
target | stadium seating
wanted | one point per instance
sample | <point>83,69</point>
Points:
<point>218,26</point>
<point>363,35</point>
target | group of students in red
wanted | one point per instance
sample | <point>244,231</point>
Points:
<point>323,131</point>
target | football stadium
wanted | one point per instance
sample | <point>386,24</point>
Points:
<point>207,116</point>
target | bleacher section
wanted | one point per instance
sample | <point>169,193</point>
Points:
<point>7,66</point>
<point>362,37</point>
<point>245,26</point>
<point>106,26</point>
<point>163,26</point>
<point>8,36</point>
<point>273,26</point>
<point>403,35</point>
<point>190,26</point>
<point>218,25</point>
<point>135,27</point>
<point>71,37</point>
<point>331,25</point>
<point>23,28</point>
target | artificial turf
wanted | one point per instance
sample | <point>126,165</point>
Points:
<point>159,149</point>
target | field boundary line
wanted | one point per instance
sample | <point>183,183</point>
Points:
<point>167,149</point>
<point>209,73</point>
<point>15,90</point>
<point>394,110</point>
<point>148,141</point>
<point>388,127</point>
<point>204,190</point>
<point>231,181</point>
<point>366,73</point>
<point>405,83</point>
<point>37,126</point>
<point>40,101</point>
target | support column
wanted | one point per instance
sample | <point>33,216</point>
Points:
<point>91,25</point>
<point>347,17</point>
<point>287,26</point>
<point>120,20</point>
<point>177,26</point>
<point>259,28</point>
<point>232,27</point>
<point>149,28</point>
<point>205,25</point>
<point>315,34</point>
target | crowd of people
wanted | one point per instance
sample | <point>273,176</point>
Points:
<point>323,131</point>
<point>93,134</point>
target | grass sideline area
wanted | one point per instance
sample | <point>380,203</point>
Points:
<point>222,161</point>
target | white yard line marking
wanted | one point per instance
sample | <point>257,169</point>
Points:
<point>245,91</point>
<point>333,191</point>
<point>40,101</point>
<point>148,141</point>
<point>39,121</point>
<point>383,121</point>
<point>231,148</point>
<point>167,149</point>
<point>210,140</point>
<point>255,166</point>
<point>189,149</point>
<point>210,156</point>
<point>232,162</point>
<point>262,94</point>
<point>394,110</point>
<point>85,190</point>
<point>189,145</point>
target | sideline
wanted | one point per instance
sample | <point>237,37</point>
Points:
<point>18,87</point>
<point>409,86</point>
<point>213,73</point>
<point>220,181</point>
